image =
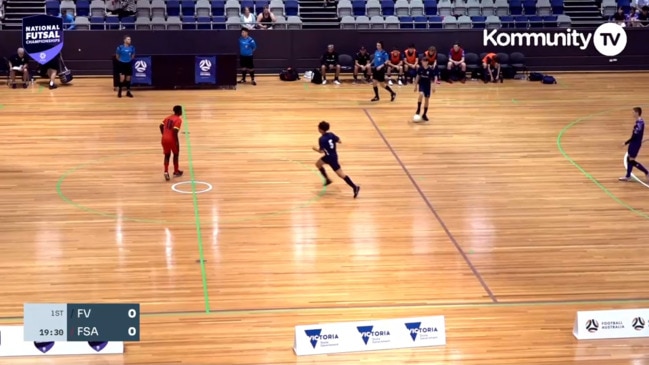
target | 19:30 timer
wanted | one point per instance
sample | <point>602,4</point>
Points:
<point>56,332</point>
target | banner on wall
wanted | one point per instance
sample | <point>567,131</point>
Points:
<point>141,71</point>
<point>43,37</point>
<point>205,70</point>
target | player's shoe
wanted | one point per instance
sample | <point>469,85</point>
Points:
<point>119,94</point>
<point>357,189</point>
<point>328,182</point>
<point>254,83</point>
<point>400,82</point>
<point>167,178</point>
<point>178,173</point>
<point>242,81</point>
<point>624,178</point>
<point>336,82</point>
<point>375,99</point>
<point>393,96</point>
<point>424,118</point>
<point>128,94</point>
<point>390,83</point>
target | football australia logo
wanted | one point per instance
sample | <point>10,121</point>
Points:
<point>638,323</point>
<point>592,325</point>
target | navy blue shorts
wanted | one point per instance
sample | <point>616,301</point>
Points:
<point>633,150</point>
<point>332,162</point>
<point>425,90</point>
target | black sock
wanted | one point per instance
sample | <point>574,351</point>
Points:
<point>128,85</point>
<point>324,173</point>
<point>350,182</point>
<point>355,77</point>
<point>121,85</point>
<point>243,75</point>
<point>389,89</point>
<point>418,107</point>
<point>252,75</point>
<point>629,167</point>
<point>376,91</point>
<point>425,110</point>
<point>639,166</point>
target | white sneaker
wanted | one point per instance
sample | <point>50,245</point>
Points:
<point>624,178</point>
<point>324,82</point>
<point>336,82</point>
<point>390,82</point>
<point>400,83</point>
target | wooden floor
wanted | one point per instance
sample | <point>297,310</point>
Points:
<point>503,214</point>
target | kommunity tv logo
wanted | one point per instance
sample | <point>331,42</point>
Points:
<point>609,39</point>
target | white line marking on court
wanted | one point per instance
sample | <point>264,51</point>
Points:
<point>626,155</point>
<point>175,186</point>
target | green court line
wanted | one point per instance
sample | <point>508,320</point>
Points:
<point>197,217</point>
<point>108,215</point>
<point>586,173</point>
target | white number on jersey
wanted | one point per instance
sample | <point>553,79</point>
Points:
<point>331,144</point>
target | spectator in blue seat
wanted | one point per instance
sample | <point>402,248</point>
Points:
<point>329,62</point>
<point>362,63</point>
<point>619,17</point>
<point>68,20</point>
<point>266,19</point>
<point>248,19</point>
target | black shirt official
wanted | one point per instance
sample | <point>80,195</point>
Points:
<point>362,57</point>
<point>330,58</point>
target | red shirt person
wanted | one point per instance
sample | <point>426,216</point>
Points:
<point>456,61</point>
<point>169,128</point>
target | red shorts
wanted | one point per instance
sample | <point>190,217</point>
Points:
<point>169,147</point>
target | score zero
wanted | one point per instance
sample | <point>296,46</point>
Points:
<point>132,313</point>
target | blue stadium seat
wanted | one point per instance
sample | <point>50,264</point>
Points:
<point>358,7</point>
<point>387,6</point>
<point>406,22</point>
<point>479,22</point>
<point>188,7</point>
<point>204,23</point>
<point>128,22</point>
<point>52,7</point>
<point>507,21</point>
<point>421,22</point>
<point>430,7</point>
<point>189,22</point>
<point>550,21</point>
<point>435,21</point>
<point>520,21</point>
<point>248,4</point>
<point>112,23</point>
<point>83,8</point>
<point>557,6</point>
<point>291,7</point>
<point>535,21</point>
<point>625,5</point>
<point>173,8</point>
<point>97,23</point>
<point>260,5</point>
<point>219,22</point>
<point>529,7</point>
<point>515,7</point>
<point>218,7</point>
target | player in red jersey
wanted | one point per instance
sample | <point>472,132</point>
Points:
<point>169,128</point>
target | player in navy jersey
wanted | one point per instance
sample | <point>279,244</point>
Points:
<point>424,84</point>
<point>327,144</point>
<point>634,143</point>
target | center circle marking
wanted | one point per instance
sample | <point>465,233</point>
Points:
<point>208,187</point>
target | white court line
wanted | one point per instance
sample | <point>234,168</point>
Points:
<point>626,155</point>
<point>174,187</point>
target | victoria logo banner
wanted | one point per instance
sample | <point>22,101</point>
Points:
<point>43,37</point>
<point>205,70</point>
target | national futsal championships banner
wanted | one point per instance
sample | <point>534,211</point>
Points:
<point>205,70</point>
<point>43,37</point>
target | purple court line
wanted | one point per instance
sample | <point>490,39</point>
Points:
<point>459,249</point>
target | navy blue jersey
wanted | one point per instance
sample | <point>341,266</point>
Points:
<point>327,144</point>
<point>638,133</point>
<point>426,76</point>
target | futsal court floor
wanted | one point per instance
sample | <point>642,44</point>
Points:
<point>503,214</point>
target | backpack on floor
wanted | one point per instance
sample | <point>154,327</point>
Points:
<point>535,76</point>
<point>547,79</point>
<point>289,74</point>
<point>317,77</point>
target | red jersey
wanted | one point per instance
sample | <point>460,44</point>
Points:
<point>411,56</point>
<point>395,57</point>
<point>432,57</point>
<point>489,59</point>
<point>171,123</point>
<point>456,56</point>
